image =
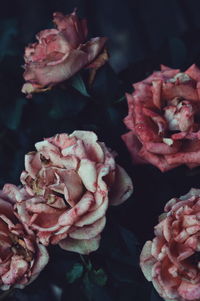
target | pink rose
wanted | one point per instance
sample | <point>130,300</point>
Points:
<point>59,53</point>
<point>164,119</point>
<point>21,257</point>
<point>71,180</point>
<point>171,260</point>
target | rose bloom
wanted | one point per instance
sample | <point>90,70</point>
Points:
<point>172,259</point>
<point>71,180</point>
<point>164,119</point>
<point>59,53</point>
<point>21,257</point>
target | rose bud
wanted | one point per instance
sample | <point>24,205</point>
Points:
<point>163,119</point>
<point>172,259</point>
<point>59,53</point>
<point>22,258</point>
<point>71,180</point>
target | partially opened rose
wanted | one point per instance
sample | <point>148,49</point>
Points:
<point>21,257</point>
<point>71,180</point>
<point>59,53</point>
<point>172,259</point>
<point>164,119</point>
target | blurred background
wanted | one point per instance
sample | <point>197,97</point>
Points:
<point>141,35</point>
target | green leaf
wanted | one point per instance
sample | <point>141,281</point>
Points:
<point>64,104</point>
<point>106,85</point>
<point>93,291</point>
<point>11,115</point>
<point>89,266</point>
<point>78,83</point>
<point>75,273</point>
<point>56,111</point>
<point>88,286</point>
<point>99,277</point>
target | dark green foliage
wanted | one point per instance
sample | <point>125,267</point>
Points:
<point>78,83</point>
<point>75,273</point>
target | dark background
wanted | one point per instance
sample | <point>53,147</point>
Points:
<point>142,35</point>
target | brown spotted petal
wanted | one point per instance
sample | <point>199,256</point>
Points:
<point>171,260</point>
<point>22,257</point>
<point>70,181</point>
<point>163,110</point>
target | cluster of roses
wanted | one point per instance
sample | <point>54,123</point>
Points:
<point>164,123</point>
<point>70,180</point>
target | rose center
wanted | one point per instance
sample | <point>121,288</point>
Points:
<point>179,115</point>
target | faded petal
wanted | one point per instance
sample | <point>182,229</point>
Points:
<point>122,187</point>
<point>84,246</point>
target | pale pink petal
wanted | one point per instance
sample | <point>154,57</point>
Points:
<point>40,261</point>
<point>122,188</point>
<point>71,216</point>
<point>84,246</point>
<point>88,232</point>
<point>15,194</point>
<point>32,163</point>
<point>147,261</point>
<point>76,149</point>
<point>194,72</point>
<point>72,185</point>
<point>162,148</point>
<point>156,89</point>
<point>189,291</point>
<point>45,147</point>
<point>17,270</point>
<point>88,174</point>
<point>93,149</point>
<point>93,216</point>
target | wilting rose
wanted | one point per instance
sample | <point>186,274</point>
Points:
<point>71,180</point>
<point>172,259</point>
<point>164,119</point>
<point>59,53</point>
<point>21,257</point>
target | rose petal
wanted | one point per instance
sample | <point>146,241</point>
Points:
<point>134,146</point>
<point>122,188</point>
<point>147,261</point>
<point>189,291</point>
<point>93,149</point>
<point>94,215</point>
<point>88,174</point>
<point>17,270</point>
<point>88,232</point>
<point>84,246</point>
<point>72,215</point>
<point>194,72</point>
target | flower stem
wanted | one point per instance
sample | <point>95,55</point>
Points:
<point>83,261</point>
